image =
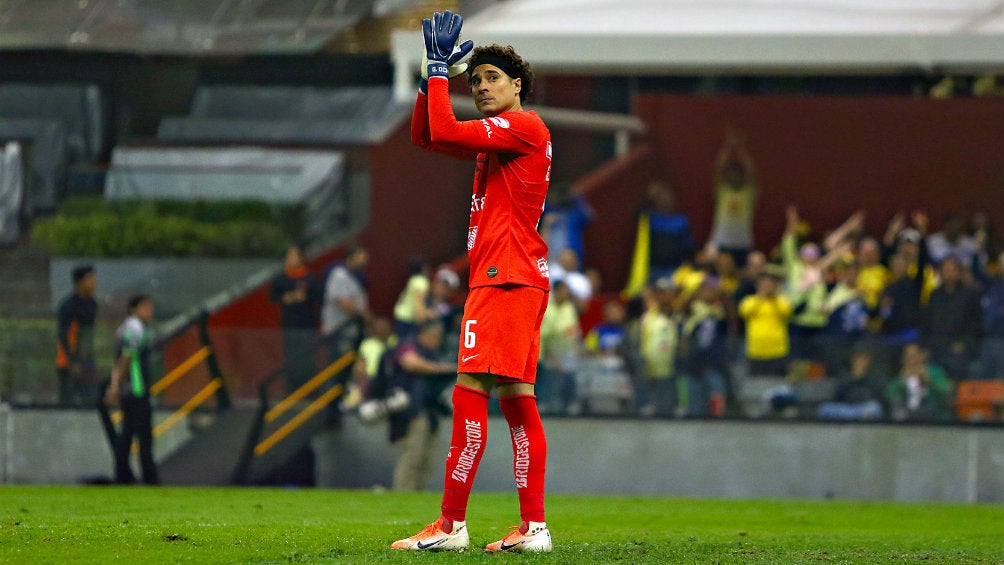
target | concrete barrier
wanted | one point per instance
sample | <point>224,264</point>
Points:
<point>722,459</point>
<point>66,446</point>
<point>729,459</point>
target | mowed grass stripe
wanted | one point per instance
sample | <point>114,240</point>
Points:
<point>104,525</point>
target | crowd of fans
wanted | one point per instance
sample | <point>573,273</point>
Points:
<point>873,326</point>
<point>885,326</point>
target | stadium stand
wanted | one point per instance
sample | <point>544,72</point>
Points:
<point>287,115</point>
<point>313,179</point>
<point>60,125</point>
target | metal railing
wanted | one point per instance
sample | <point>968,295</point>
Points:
<point>331,380</point>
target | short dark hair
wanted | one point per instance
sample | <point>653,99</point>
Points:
<point>137,299</point>
<point>417,264</point>
<point>505,58</point>
<point>426,325</point>
<point>81,271</point>
<point>352,250</point>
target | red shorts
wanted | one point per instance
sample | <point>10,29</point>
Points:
<point>500,332</point>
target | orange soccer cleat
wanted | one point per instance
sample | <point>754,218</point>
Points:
<point>434,538</point>
<point>535,538</point>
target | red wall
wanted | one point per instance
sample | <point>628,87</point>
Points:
<point>419,205</point>
<point>828,156</point>
<point>832,156</point>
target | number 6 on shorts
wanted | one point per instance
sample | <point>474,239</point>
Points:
<point>469,336</point>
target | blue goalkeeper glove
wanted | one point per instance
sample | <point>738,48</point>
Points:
<point>442,44</point>
<point>455,69</point>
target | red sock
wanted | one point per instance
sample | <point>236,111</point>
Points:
<point>529,448</point>
<point>467,445</point>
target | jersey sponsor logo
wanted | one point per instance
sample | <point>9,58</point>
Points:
<point>488,128</point>
<point>477,204</point>
<point>542,266</point>
<point>465,462</point>
<point>493,272</point>
<point>522,463</point>
<point>472,234</point>
<point>547,176</point>
<point>500,122</point>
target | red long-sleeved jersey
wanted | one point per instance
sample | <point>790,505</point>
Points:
<point>511,176</point>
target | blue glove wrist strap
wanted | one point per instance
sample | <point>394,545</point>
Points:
<point>438,69</point>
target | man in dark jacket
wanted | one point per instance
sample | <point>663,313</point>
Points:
<point>992,354</point>
<point>75,365</point>
<point>953,320</point>
<point>298,293</point>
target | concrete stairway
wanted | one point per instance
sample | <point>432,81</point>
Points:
<point>24,283</point>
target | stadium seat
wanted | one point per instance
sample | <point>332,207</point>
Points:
<point>980,401</point>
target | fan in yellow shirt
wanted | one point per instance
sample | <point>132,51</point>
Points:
<point>766,314</point>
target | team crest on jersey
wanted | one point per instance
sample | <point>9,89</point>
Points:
<point>493,272</point>
<point>542,266</point>
<point>500,122</point>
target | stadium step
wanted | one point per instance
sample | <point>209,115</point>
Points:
<point>24,283</point>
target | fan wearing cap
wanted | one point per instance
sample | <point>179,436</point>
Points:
<point>509,284</point>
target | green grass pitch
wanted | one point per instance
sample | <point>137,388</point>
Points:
<point>102,525</point>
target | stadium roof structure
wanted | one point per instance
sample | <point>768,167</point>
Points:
<point>188,27</point>
<point>644,37</point>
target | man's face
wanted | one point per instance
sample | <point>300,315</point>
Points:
<point>88,284</point>
<point>868,252</point>
<point>899,265</point>
<point>755,263</point>
<point>913,355</point>
<point>569,260</point>
<point>431,337</point>
<point>144,310</point>
<point>766,286</point>
<point>293,258</point>
<point>494,92</point>
<point>613,312</point>
<point>562,293</point>
<point>358,260</point>
<point>950,272</point>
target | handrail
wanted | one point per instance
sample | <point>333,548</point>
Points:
<point>211,388</point>
<point>255,446</point>
<point>181,370</point>
<point>298,420</point>
<point>310,386</point>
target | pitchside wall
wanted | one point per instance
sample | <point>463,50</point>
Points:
<point>715,459</point>
<point>680,458</point>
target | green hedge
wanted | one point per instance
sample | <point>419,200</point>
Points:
<point>120,228</point>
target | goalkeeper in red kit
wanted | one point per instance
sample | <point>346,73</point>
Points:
<point>500,331</point>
